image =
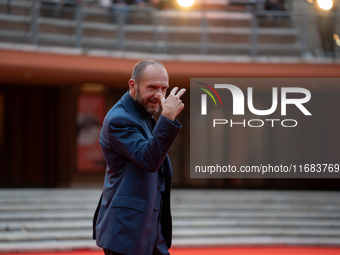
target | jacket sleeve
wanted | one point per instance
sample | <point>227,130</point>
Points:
<point>126,138</point>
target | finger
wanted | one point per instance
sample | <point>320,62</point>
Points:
<point>174,90</point>
<point>181,92</point>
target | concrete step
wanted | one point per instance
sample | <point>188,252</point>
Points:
<point>52,196</point>
<point>283,223</point>
<point>254,231</point>
<point>24,226</point>
<point>46,215</point>
<point>184,212</point>
<point>65,245</point>
<point>178,232</point>
<point>193,205</point>
<point>257,215</point>
<point>84,231</point>
<point>42,225</point>
<point>45,235</point>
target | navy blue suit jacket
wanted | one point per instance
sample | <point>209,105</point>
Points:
<point>137,170</point>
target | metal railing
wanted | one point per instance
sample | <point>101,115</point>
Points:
<point>131,28</point>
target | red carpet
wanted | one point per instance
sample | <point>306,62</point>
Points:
<point>220,251</point>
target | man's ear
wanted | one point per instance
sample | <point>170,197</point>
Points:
<point>133,88</point>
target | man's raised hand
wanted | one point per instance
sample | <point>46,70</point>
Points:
<point>172,105</point>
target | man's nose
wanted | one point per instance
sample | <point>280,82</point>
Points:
<point>159,90</point>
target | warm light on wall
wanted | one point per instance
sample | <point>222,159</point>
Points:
<point>336,39</point>
<point>325,4</point>
<point>92,87</point>
<point>185,3</point>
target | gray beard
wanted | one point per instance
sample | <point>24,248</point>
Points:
<point>139,100</point>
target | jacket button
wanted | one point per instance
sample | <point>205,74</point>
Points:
<point>154,210</point>
<point>159,187</point>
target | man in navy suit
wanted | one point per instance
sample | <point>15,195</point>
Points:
<point>133,215</point>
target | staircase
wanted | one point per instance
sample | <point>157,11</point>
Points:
<point>61,219</point>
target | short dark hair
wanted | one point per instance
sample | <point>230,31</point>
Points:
<point>138,71</point>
